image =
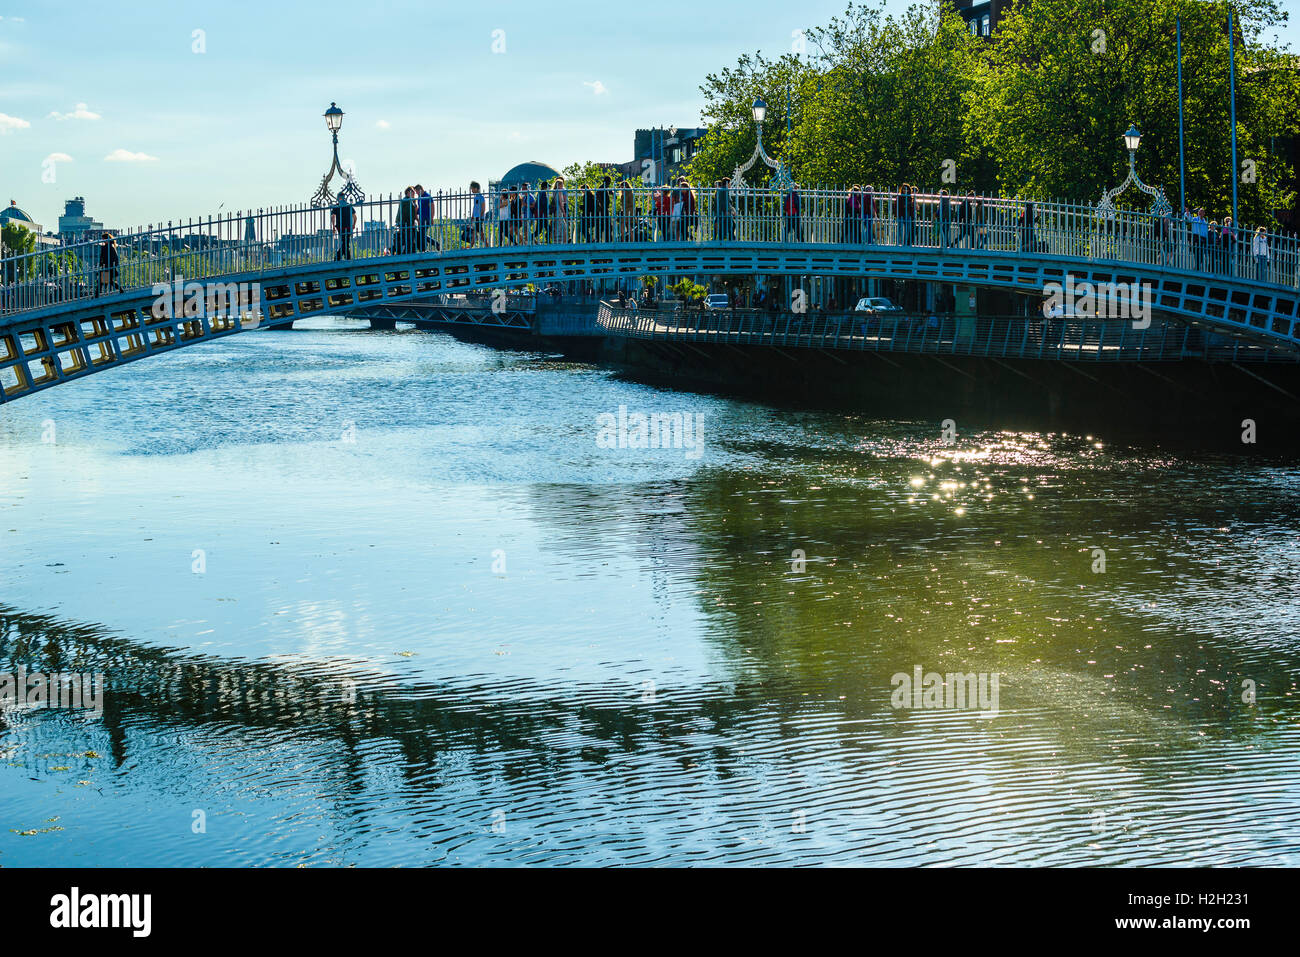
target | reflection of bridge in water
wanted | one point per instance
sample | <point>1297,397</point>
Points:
<point>1207,304</point>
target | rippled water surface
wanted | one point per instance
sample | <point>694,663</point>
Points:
<point>380,598</point>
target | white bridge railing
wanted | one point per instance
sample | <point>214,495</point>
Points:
<point>260,240</point>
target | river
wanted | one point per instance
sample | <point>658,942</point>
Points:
<point>382,598</point>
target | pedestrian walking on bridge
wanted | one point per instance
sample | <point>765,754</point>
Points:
<point>109,263</point>
<point>791,206</point>
<point>424,203</point>
<point>851,231</point>
<point>1027,217</point>
<point>689,211</point>
<point>560,209</point>
<point>407,217</point>
<point>477,211</point>
<point>342,217</point>
<point>906,214</point>
<point>1259,249</point>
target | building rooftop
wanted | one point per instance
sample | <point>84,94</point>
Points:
<point>14,213</point>
<point>531,172</point>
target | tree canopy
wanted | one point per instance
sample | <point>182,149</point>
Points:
<point>1038,110</point>
<point>15,241</point>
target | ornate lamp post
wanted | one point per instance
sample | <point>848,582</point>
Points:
<point>324,196</point>
<point>783,180</point>
<point>1160,205</point>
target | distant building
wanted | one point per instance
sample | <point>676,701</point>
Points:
<point>14,215</point>
<point>374,237</point>
<point>531,173</point>
<point>74,224</point>
<point>659,155</point>
<point>981,16</point>
<point>293,246</point>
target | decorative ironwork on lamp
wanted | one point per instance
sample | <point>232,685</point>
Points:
<point>324,195</point>
<point>1160,205</point>
<point>782,179</point>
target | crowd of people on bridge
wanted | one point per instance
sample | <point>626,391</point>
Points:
<point>1216,247</point>
<point>551,212</point>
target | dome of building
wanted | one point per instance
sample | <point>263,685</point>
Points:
<point>12,213</point>
<point>531,172</point>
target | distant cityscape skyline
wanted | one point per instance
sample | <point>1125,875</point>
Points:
<point>201,131</point>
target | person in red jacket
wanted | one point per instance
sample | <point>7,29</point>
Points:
<point>790,207</point>
<point>689,219</point>
<point>663,210</point>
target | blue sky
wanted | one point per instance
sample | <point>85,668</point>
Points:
<point>426,97</point>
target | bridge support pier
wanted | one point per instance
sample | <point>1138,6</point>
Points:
<point>387,324</point>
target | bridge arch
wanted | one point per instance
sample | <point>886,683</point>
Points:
<point>45,345</point>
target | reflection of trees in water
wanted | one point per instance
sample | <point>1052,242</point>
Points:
<point>722,542</point>
<point>1010,588</point>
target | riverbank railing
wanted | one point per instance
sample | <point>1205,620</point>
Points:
<point>1005,337</point>
<point>275,239</point>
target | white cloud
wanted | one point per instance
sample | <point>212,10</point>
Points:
<point>8,123</point>
<point>382,125</point>
<point>57,158</point>
<point>15,19</point>
<point>126,156</point>
<point>596,87</point>
<point>82,112</point>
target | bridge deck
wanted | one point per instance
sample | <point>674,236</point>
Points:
<point>1254,315</point>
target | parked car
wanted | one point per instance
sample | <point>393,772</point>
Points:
<point>875,304</point>
<point>717,300</point>
<point>874,309</point>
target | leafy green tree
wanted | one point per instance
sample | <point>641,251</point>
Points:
<point>893,93</point>
<point>730,96</point>
<point>1037,111</point>
<point>16,241</point>
<point>581,175</point>
<point>880,101</point>
<point>690,292</point>
<point>1065,78</point>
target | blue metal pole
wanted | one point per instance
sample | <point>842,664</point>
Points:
<point>1182,157</point>
<point>1232,85</point>
<point>663,173</point>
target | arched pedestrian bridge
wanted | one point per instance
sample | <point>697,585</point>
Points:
<point>185,284</point>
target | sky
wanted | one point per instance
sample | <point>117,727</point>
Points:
<point>159,110</point>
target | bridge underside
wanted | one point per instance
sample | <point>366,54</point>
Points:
<point>46,347</point>
<point>431,315</point>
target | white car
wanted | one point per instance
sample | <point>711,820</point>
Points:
<point>875,304</point>
<point>717,301</point>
